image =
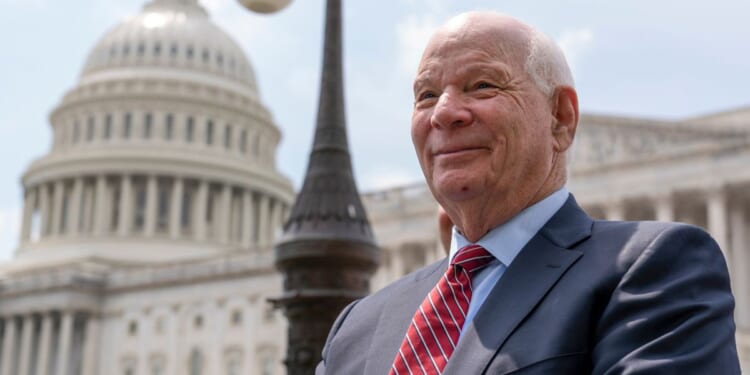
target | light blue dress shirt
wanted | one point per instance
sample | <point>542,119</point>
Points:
<point>505,242</point>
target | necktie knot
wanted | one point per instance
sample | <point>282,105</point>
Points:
<point>436,326</point>
<point>472,258</point>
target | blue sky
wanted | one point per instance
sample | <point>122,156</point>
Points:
<point>657,59</point>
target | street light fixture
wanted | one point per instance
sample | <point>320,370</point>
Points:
<point>265,6</point>
<point>327,253</point>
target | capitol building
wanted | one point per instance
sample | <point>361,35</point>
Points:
<point>146,245</point>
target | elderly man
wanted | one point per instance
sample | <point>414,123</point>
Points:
<point>532,285</point>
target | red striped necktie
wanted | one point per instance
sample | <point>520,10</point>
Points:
<point>436,325</point>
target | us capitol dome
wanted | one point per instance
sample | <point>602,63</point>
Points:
<point>147,230</point>
<point>163,150</point>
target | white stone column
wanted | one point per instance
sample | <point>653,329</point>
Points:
<point>718,217</point>
<point>28,212</point>
<point>9,357</point>
<point>740,270</point>
<point>101,219</point>
<point>45,340</point>
<point>199,217</point>
<point>151,205</point>
<point>615,210</point>
<point>237,130</point>
<point>136,127</point>
<point>664,207</point>
<point>158,125</point>
<point>57,207</point>
<point>118,122</point>
<point>63,345</point>
<point>27,329</point>
<point>91,345</point>
<point>248,216</point>
<point>179,121</point>
<point>264,220</point>
<point>74,211</point>
<point>88,208</point>
<point>275,219</point>
<point>397,263</point>
<point>44,210</point>
<point>175,207</point>
<point>199,128</point>
<point>125,219</point>
<point>225,211</point>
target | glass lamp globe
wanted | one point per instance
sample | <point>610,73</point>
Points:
<point>265,6</point>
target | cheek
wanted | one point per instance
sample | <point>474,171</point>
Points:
<point>419,132</point>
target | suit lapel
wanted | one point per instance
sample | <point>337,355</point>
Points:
<point>524,284</point>
<point>396,317</point>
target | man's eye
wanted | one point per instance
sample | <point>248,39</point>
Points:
<point>426,95</point>
<point>484,85</point>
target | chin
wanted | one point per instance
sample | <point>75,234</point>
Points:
<point>454,188</point>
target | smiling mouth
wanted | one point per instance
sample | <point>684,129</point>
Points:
<point>460,151</point>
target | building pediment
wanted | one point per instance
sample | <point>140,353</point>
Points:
<point>607,141</point>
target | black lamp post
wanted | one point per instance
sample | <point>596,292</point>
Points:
<point>327,253</point>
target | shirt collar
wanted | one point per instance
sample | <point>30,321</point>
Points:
<point>505,241</point>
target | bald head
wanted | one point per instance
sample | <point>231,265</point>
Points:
<point>540,56</point>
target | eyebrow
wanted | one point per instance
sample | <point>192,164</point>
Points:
<point>496,70</point>
<point>420,81</point>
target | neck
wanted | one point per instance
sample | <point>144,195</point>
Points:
<point>477,216</point>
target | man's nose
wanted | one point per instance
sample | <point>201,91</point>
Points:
<point>451,110</point>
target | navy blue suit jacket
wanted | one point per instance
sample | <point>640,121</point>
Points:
<point>582,297</point>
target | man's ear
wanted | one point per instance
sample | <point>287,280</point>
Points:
<point>565,112</point>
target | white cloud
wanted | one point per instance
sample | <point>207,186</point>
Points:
<point>413,34</point>
<point>215,6</point>
<point>10,224</point>
<point>414,31</point>
<point>574,44</point>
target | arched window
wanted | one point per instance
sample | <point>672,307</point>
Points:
<point>163,206</point>
<point>187,209</point>
<point>243,141</point>
<point>108,126</point>
<point>196,362</point>
<point>129,365</point>
<point>256,149</point>
<point>147,125</point>
<point>127,125</point>
<point>209,132</point>
<point>233,361</point>
<point>189,128</point>
<point>139,216</point>
<point>157,365</point>
<point>169,127</point>
<point>90,129</point>
<point>266,360</point>
<point>76,132</point>
<point>228,136</point>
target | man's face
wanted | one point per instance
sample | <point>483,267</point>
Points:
<point>480,126</point>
